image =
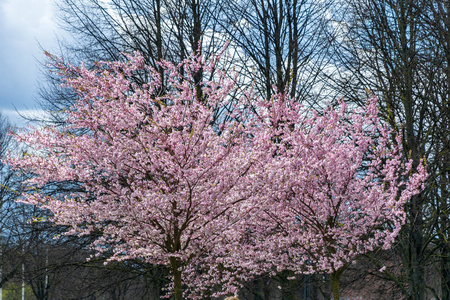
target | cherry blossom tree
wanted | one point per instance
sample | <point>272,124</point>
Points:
<point>159,173</point>
<point>332,186</point>
<point>336,188</point>
<point>164,178</point>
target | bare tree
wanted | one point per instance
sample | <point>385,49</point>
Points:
<point>394,49</point>
<point>279,43</point>
<point>11,216</point>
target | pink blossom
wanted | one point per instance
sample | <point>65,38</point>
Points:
<point>282,189</point>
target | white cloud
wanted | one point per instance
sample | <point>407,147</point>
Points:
<point>23,23</point>
<point>15,117</point>
<point>28,17</point>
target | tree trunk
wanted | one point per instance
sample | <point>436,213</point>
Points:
<point>195,44</point>
<point>445,252</point>
<point>445,272</point>
<point>335,276</point>
<point>177,287</point>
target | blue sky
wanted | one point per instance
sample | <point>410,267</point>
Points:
<point>23,25</point>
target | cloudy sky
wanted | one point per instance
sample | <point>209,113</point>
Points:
<point>23,25</point>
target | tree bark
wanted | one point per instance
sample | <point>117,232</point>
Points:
<point>335,276</point>
<point>177,287</point>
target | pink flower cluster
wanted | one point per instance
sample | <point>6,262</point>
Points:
<point>165,179</point>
